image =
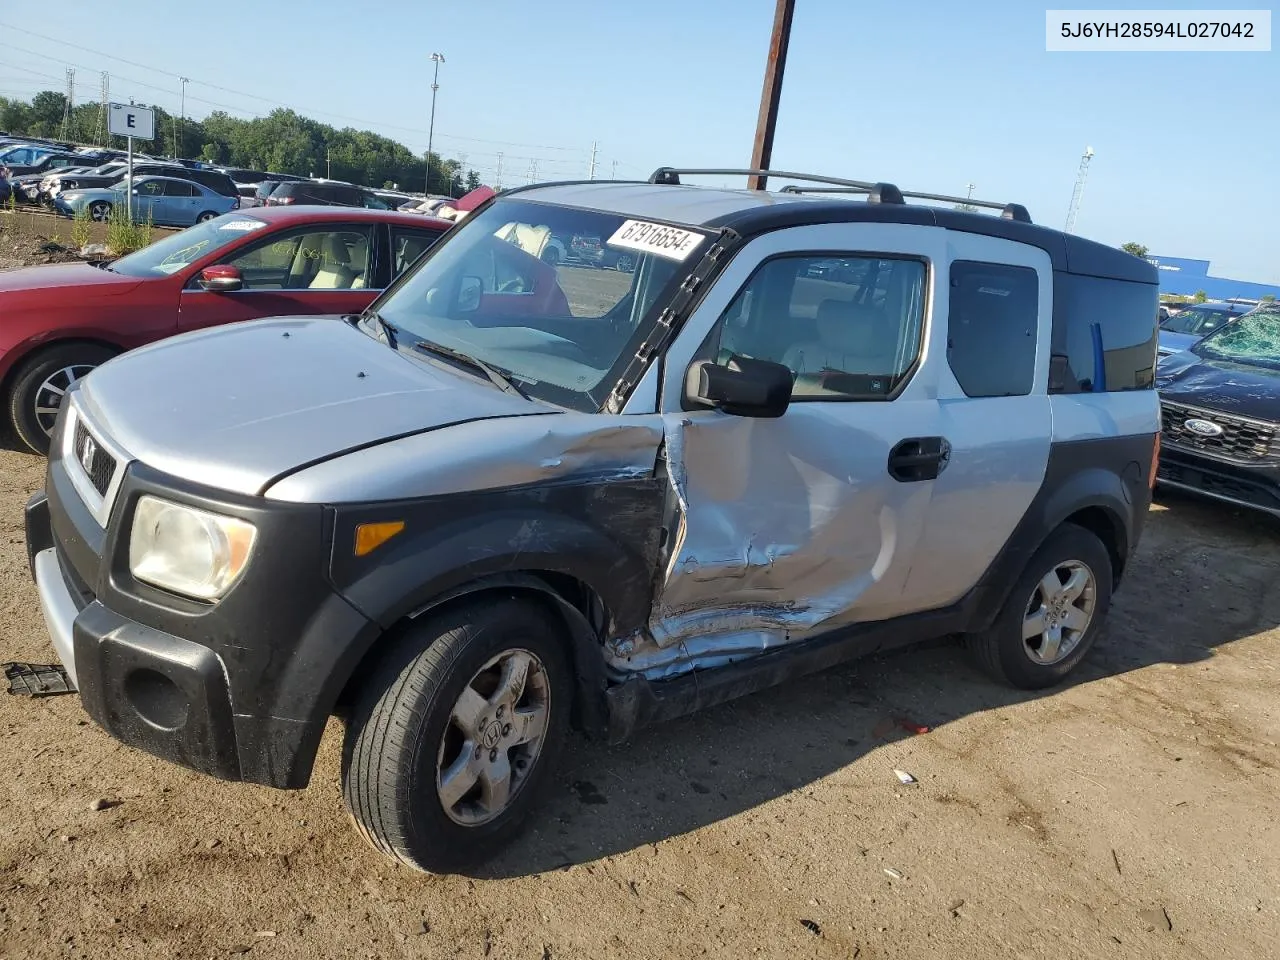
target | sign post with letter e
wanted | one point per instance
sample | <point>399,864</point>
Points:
<point>131,121</point>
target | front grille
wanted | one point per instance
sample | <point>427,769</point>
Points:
<point>98,465</point>
<point>1241,439</point>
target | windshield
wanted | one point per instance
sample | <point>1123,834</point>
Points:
<point>22,156</point>
<point>182,249</point>
<point>1197,322</point>
<point>1253,340</point>
<point>555,297</point>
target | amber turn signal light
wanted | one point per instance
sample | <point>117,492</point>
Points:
<point>370,536</point>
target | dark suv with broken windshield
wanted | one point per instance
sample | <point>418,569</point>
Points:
<point>1221,413</point>
<point>513,497</point>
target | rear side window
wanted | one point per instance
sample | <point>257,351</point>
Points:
<point>991,330</point>
<point>1104,334</point>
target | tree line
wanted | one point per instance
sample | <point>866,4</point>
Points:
<point>283,141</point>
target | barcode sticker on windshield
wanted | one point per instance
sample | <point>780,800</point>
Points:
<point>243,225</point>
<point>656,238</point>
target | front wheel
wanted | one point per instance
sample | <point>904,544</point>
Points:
<point>455,736</point>
<point>40,384</point>
<point>1053,614</point>
<point>100,210</point>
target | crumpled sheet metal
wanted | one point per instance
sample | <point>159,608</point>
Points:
<point>727,591</point>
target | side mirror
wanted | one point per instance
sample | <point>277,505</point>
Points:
<point>743,387</point>
<point>221,278</point>
<point>469,292</point>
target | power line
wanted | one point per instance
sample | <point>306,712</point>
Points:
<point>275,103</point>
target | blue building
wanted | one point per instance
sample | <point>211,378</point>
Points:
<point>1183,277</point>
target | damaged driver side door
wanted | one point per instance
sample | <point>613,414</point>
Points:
<point>784,528</point>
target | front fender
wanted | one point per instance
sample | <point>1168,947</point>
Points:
<point>604,535</point>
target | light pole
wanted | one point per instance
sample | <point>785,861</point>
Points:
<point>182,112</point>
<point>437,59</point>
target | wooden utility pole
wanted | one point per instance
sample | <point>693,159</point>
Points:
<point>762,153</point>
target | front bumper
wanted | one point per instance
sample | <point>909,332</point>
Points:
<point>240,690</point>
<point>147,688</point>
<point>1253,487</point>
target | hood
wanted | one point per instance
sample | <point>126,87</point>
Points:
<point>1174,342</point>
<point>236,407</point>
<point>1247,391</point>
<point>55,276</point>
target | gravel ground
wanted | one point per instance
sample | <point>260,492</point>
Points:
<point>1131,814</point>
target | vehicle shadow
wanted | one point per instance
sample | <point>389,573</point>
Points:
<point>1203,577</point>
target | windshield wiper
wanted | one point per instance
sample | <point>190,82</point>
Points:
<point>499,378</point>
<point>384,325</point>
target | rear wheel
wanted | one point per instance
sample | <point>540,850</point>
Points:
<point>41,382</point>
<point>551,256</point>
<point>100,210</point>
<point>1053,614</point>
<point>206,216</point>
<point>455,736</point>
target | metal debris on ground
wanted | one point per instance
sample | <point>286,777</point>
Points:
<point>905,777</point>
<point>37,679</point>
<point>812,926</point>
<point>891,872</point>
<point>1157,919</point>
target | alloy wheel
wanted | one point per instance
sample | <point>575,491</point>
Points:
<point>1059,612</point>
<point>48,398</point>
<point>494,737</point>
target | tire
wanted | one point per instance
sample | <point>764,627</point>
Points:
<point>551,257</point>
<point>1004,654</point>
<point>36,383</point>
<point>206,216</point>
<point>100,210</point>
<point>402,733</point>
<point>625,264</point>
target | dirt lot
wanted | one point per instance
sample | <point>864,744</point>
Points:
<point>1070,824</point>
<point>1133,814</point>
<point>30,236</point>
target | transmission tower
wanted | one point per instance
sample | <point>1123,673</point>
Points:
<point>100,127</point>
<point>1078,192</point>
<point>68,103</point>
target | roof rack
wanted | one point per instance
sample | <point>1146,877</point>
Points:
<point>876,192</point>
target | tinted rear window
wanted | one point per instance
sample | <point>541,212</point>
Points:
<point>991,328</point>
<point>1117,318</point>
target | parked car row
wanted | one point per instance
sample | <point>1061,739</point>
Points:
<point>40,172</point>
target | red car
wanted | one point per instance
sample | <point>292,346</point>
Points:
<point>58,322</point>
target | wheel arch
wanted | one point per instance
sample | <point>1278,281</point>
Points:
<point>569,602</point>
<point>22,353</point>
<point>1106,501</point>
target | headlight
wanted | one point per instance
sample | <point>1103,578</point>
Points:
<point>188,551</point>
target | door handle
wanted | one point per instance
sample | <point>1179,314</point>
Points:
<point>919,458</point>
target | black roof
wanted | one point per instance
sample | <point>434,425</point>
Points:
<point>1066,251</point>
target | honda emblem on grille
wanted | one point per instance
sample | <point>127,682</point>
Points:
<point>1202,428</point>
<point>87,453</point>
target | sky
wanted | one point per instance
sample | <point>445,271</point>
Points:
<point>931,96</point>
